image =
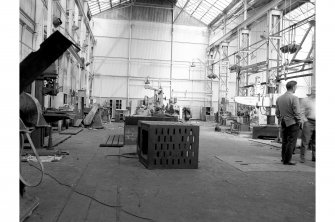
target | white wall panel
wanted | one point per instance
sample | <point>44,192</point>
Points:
<point>27,38</point>
<point>151,69</point>
<point>28,6</point>
<point>215,35</point>
<point>150,56</point>
<point>111,47</point>
<point>138,91</point>
<point>188,52</point>
<point>190,34</point>
<point>105,86</point>
<point>185,71</point>
<point>150,50</point>
<point>25,51</point>
<point>150,30</point>
<point>111,67</point>
<point>181,71</point>
<point>108,27</point>
<point>182,86</point>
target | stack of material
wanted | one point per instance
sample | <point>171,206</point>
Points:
<point>93,118</point>
<point>88,119</point>
<point>97,122</point>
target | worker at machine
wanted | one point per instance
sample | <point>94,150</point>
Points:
<point>289,116</point>
<point>308,131</point>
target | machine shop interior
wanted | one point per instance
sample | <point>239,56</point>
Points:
<point>168,111</point>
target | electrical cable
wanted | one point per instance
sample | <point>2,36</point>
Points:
<point>92,198</point>
<point>124,155</point>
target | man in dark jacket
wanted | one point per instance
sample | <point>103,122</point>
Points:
<point>289,116</point>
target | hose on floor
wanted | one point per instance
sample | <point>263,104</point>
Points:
<point>92,198</point>
<point>25,182</point>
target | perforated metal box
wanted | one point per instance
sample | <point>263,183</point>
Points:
<point>169,145</point>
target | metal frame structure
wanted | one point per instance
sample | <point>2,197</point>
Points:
<point>223,75</point>
<point>98,6</point>
<point>216,14</point>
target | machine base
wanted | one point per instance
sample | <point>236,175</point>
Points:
<point>265,131</point>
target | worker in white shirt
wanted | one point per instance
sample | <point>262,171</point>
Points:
<point>308,131</point>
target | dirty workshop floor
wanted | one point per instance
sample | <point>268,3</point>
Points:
<point>237,180</point>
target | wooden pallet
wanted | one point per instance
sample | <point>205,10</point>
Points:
<point>113,141</point>
<point>71,131</point>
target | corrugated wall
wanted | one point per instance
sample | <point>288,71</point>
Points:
<point>130,50</point>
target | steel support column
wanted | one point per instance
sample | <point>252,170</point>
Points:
<point>129,53</point>
<point>171,60</point>
<point>223,75</point>
<point>274,60</point>
<point>313,83</point>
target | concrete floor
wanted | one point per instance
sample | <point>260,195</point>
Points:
<point>237,180</point>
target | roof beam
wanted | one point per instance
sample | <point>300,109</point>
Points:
<point>224,12</point>
<point>208,9</point>
<point>259,13</point>
<point>181,11</point>
<point>197,7</point>
<point>99,5</point>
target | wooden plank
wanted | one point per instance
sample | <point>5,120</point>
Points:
<point>97,122</point>
<point>113,141</point>
<point>71,131</point>
<point>121,140</point>
<point>88,119</point>
<point>56,139</point>
<point>110,140</point>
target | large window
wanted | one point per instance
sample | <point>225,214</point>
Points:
<point>118,104</point>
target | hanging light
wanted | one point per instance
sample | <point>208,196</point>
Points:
<point>56,22</point>
<point>212,76</point>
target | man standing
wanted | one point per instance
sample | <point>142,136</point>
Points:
<point>308,131</point>
<point>288,114</point>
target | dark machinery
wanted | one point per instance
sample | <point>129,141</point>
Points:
<point>31,115</point>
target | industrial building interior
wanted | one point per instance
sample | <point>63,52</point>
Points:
<point>162,110</point>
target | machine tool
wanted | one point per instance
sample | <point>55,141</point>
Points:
<point>31,115</point>
<point>263,102</point>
